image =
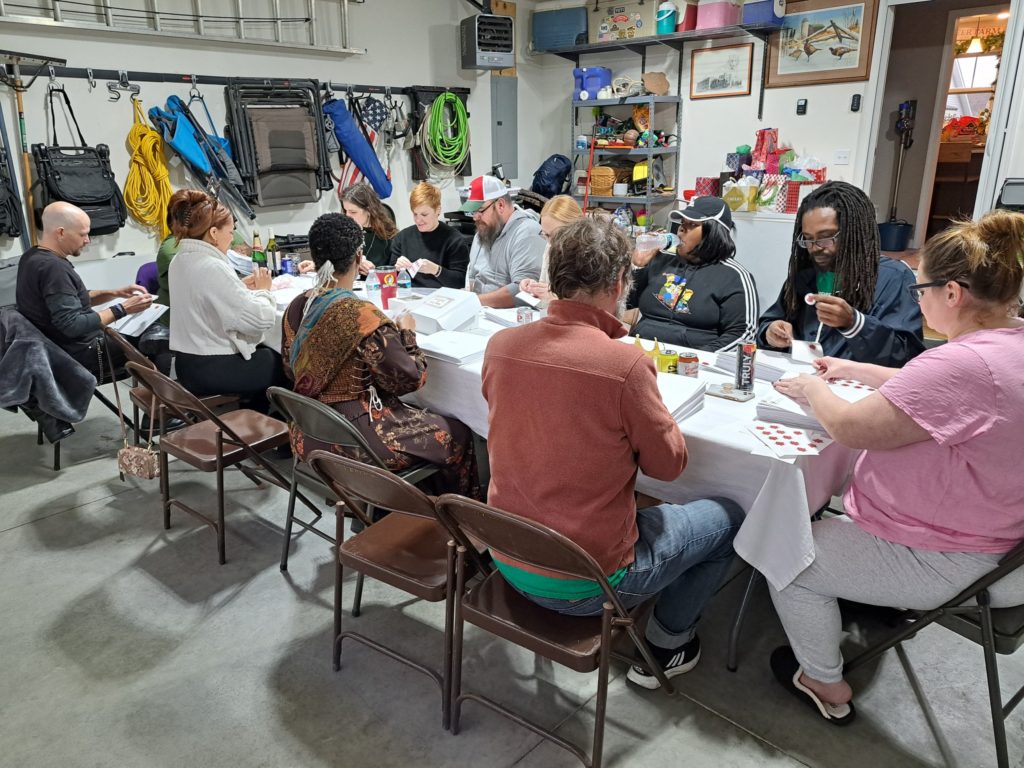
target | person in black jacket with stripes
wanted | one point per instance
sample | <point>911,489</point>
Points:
<point>698,297</point>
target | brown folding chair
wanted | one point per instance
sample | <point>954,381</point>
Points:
<point>408,549</point>
<point>211,443</point>
<point>141,399</point>
<point>971,615</point>
<point>579,643</point>
<point>323,423</point>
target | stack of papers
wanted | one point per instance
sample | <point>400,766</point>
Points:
<point>458,347</point>
<point>503,317</point>
<point>135,324</point>
<point>769,366</point>
<point>779,409</point>
<point>682,395</point>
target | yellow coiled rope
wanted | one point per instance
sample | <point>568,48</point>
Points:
<point>147,190</point>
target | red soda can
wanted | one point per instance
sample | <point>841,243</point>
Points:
<point>745,366</point>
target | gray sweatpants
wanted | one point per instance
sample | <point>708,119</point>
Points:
<point>852,564</point>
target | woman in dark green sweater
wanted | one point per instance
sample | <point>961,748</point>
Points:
<point>362,205</point>
<point>438,254</point>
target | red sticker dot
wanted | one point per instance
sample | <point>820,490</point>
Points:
<point>793,442</point>
<point>779,442</point>
<point>801,449</point>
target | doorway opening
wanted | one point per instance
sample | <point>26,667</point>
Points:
<point>943,76</point>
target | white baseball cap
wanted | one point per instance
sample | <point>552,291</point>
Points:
<point>481,190</point>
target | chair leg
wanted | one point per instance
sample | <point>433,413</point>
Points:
<point>135,423</point>
<point>601,702</point>
<point>737,624</point>
<point>336,638</point>
<point>446,667</point>
<point>56,456</point>
<point>457,627</point>
<point>292,488</point>
<point>165,490</point>
<point>221,554</point>
<point>992,673</point>
<point>39,434</point>
<point>357,601</point>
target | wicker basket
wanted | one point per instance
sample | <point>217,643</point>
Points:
<point>602,178</point>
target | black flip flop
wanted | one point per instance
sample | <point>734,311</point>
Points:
<point>787,671</point>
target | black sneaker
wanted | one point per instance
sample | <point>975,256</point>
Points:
<point>675,661</point>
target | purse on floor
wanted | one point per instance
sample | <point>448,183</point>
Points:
<point>135,460</point>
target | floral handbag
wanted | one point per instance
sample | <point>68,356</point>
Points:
<point>135,460</point>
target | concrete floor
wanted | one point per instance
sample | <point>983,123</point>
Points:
<point>125,645</point>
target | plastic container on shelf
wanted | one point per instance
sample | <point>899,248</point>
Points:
<point>686,17</point>
<point>665,21</point>
<point>712,14</point>
<point>763,11</point>
<point>589,80</point>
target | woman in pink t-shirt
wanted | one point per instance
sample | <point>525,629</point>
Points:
<point>936,498</point>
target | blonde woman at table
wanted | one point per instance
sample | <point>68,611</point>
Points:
<point>556,213</point>
<point>936,498</point>
<point>342,351</point>
<point>219,320</point>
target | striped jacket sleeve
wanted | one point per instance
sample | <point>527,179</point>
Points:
<point>739,308</point>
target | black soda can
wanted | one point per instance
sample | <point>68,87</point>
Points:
<point>745,366</point>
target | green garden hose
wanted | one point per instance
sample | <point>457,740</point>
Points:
<point>445,140</point>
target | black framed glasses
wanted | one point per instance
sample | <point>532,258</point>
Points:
<point>483,209</point>
<point>917,290</point>
<point>821,242</point>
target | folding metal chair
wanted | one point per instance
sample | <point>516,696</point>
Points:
<point>996,630</point>
<point>211,443</point>
<point>579,643</point>
<point>323,423</point>
<point>407,549</point>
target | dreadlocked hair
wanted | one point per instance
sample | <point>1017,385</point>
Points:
<point>857,251</point>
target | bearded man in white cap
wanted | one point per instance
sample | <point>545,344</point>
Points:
<point>508,247</point>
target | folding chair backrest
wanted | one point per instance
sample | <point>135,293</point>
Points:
<point>171,394</point>
<point>130,352</point>
<point>524,540</point>
<point>383,489</point>
<point>321,422</point>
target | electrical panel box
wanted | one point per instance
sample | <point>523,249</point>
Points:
<point>488,42</point>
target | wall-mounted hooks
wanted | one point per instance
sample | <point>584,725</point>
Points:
<point>92,80</point>
<point>122,84</point>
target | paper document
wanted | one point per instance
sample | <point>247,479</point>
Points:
<point>133,325</point>
<point>458,347</point>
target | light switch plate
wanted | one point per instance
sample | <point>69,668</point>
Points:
<point>841,157</point>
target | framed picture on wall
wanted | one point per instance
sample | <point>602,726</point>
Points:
<point>724,71</point>
<point>822,41</point>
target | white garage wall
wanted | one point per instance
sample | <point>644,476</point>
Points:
<point>421,50</point>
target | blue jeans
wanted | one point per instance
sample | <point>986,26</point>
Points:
<point>682,555</point>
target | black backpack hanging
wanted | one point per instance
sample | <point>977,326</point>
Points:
<point>79,175</point>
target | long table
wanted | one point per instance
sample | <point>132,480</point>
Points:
<point>779,496</point>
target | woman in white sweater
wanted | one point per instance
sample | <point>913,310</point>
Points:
<point>218,320</point>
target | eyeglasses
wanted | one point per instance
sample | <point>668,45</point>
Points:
<point>917,291</point>
<point>821,242</point>
<point>483,209</point>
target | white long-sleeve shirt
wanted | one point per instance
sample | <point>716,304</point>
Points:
<point>214,313</point>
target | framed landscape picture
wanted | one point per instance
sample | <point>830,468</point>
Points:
<point>822,41</point>
<point>725,71</point>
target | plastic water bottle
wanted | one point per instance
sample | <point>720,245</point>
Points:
<point>373,289</point>
<point>404,285</point>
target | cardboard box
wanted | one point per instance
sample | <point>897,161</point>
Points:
<point>446,309</point>
<point>623,21</point>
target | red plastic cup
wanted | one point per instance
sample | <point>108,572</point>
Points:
<point>388,285</point>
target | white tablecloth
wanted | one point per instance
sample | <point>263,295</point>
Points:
<point>724,460</point>
<point>778,496</point>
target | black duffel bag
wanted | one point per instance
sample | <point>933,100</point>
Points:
<point>79,175</point>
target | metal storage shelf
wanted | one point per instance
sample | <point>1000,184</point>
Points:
<point>627,152</point>
<point>674,40</point>
<point>631,199</point>
<point>627,100</point>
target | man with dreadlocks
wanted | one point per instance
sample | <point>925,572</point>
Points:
<point>839,282</point>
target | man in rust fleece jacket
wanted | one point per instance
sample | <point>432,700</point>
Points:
<point>573,415</point>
